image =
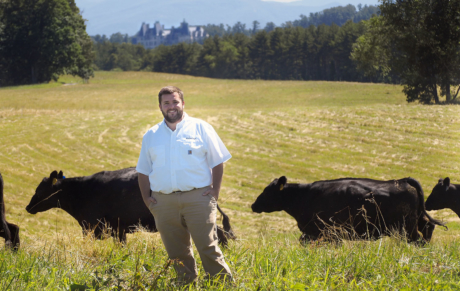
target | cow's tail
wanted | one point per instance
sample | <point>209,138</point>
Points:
<point>226,223</point>
<point>421,198</point>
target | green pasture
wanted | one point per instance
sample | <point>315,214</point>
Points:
<point>307,131</point>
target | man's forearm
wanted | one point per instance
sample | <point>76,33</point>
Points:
<point>144,185</point>
<point>217,174</point>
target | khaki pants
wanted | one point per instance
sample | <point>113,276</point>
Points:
<point>183,216</point>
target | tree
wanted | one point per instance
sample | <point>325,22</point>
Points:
<point>420,41</point>
<point>293,61</point>
<point>270,26</point>
<point>226,59</point>
<point>259,53</point>
<point>346,37</point>
<point>255,26</point>
<point>42,39</point>
<point>206,61</point>
<point>277,54</point>
<point>119,38</point>
<point>213,29</point>
<point>240,28</point>
<point>243,64</point>
<point>177,59</point>
<point>371,52</point>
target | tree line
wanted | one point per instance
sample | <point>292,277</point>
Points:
<point>336,15</point>
<point>285,53</point>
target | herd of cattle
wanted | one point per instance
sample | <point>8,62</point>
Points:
<point>109,203</point>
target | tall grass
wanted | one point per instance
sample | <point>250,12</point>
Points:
<point>306,131</point>
<point>270,262</point>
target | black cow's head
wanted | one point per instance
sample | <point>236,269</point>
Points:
<point>46,196</point>
<point>272,198</point>
<point>441,196</point>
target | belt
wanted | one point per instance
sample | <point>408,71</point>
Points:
<point>177,191</point>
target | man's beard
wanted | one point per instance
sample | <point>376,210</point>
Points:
<point>179,114</point>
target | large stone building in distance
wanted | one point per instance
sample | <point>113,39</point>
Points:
<point>158,35</point>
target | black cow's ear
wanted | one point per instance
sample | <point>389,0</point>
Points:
<point>440,181</point>
<point>53,177</point>
<point>281,182</point>
<point>53,174</point>
<point>446,183</point>
<point>60,175</point>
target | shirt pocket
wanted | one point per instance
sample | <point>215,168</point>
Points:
<point>157,154</point>
<point>192,153</point>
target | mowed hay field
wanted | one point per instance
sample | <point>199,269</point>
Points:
<point>307,131</point>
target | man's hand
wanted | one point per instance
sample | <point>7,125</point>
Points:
<point>217,173</point>
<point>213,192</point>
<point>149,200</point>
<point>144,186</point>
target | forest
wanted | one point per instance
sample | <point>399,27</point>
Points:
<point>289,53</point>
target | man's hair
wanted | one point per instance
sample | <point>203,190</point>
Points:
<point>170,90</point>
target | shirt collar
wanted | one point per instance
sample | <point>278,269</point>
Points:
<point>182,122</point>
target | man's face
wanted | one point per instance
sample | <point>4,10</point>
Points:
<point>172,107</point>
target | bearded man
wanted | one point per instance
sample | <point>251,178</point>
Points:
<point>180,174</point>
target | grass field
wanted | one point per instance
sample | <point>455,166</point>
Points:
<point>307,131</point>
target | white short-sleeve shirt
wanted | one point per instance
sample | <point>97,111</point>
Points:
<point>183,159</point>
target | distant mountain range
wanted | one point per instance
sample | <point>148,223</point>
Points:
<point>111,16</point>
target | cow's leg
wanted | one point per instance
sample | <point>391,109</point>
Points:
<point>14,230</point>
<point>412,230</point>
<point>11,235</point>
<point>304,238</point>
<point>426,228</point>
<point>5,231</point>
<point>310,232</point>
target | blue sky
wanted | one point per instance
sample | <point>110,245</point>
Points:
<point>111,16</point>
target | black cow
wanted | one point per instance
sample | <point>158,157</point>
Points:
<point>109,200</point>
<point>9,231</point>
<point>444,195</point>
<point>358,208</point>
